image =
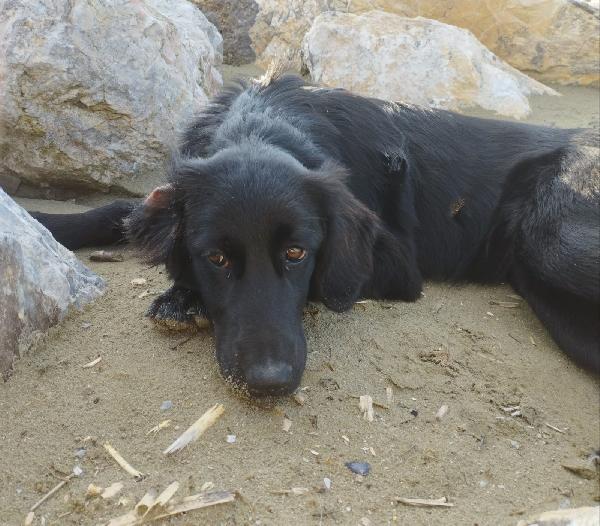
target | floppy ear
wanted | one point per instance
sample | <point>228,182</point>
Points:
<point>345,260</point>
<point>155,225</point>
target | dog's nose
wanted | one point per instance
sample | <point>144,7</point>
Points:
<point>272,378</point>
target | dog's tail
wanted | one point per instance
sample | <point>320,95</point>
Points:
<point>96,227</point>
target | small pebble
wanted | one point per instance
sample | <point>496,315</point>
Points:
<point>414,412</point>
<point>299,398</point>
<point>166,405</point>
<point>80,453</point>
<point>138,282</point>
<point>230,439</point>
<point>515,444</point>
<point>327,483</point>
<point>483,483</point>
<point>77,471</point>
<point>86,325</point>
<point>360,468</point>
<point>441,412</point>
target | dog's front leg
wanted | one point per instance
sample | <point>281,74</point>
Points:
<point>178,308</point>
<point>396,274</point>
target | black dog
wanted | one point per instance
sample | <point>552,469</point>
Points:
<point>283,192</point>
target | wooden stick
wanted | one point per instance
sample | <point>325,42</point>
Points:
<point>138,475</point>
<point>365,404</point>
<point>556,428</point>
<point>145,503</point>
<point>196,430</point>
<point>374,402</point>
<point>426,503</point>
<point>92,363</point>
<point>161,501</point>
<point>194,502</point>
<point>51,492</point>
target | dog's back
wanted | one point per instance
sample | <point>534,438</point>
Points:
<point>443,172</point>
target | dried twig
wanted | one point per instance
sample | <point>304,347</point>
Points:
<point>174,346</point>
<point>505,304</point>
<point>426,503</point>
<point>365,403</point>
<point>196,429</point>
<point>92,363</point>
<point>292,491</point>
<point>106,256</point>
<point>194,502</point>
<point>138,475</point>
<point>556,428</point>
<point>374,402</point>
<point>161,501</point>
<point>51,492</point>
<point>144,504</point>
<point>158,427</point>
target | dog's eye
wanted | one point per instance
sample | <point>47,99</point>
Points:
<point>295,254</point>
<point>218,259</point>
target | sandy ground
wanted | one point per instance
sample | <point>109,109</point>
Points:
<point>454,347</point>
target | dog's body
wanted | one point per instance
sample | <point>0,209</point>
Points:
<point>365,198</point>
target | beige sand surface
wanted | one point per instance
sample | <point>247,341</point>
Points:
<point>453,347</point>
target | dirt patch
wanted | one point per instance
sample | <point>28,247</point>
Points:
<point>478,350</point>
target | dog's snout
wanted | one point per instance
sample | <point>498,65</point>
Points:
<point>271,378</point>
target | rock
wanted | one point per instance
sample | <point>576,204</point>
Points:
<point>166,405</point>
<point>585,516</point>
<point>233,19</point>
<point>39,280</point>
<point>360,468</point>
<point>414,60</point>
<point>553,40</point>
<point>95,91</point>
<point>586,470</point>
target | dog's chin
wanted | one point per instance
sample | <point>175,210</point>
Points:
<point>236,380</point>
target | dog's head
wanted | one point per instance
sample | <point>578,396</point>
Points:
<point>257,234</point>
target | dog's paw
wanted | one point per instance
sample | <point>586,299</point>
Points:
<point>178,309</point>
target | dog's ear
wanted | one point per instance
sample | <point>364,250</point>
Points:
<point>345,260</point>
<point>155,225</point>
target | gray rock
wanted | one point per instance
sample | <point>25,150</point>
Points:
<point>39,280</point>
<point>234,19</point>
<point>551,40</point>
<point>414,60</point>
<point>95,91</point>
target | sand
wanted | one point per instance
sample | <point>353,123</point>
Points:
<point>454,347</point>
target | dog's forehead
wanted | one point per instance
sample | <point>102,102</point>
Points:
<point>253,206</point>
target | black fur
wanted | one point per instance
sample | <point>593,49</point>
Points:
<point>382,195</point>
<point>100,226</point>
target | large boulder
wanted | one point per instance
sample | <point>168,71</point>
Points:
<point>94,91</point>
<point>553,40</point>
<point>414,60</point>
<point>234,19</point>
<point>39,280</point>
